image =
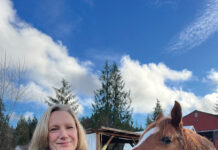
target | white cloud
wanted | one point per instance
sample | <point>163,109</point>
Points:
<point>88,102</point>
<point>28,115</point>
<point>85,103</point>
<point>46,60</point>
<point>35,92</point>
<point>211,99</point>
<point>199,30</point>
<point>213,75</point>
<point>15,117</point>
<point>147,83</point>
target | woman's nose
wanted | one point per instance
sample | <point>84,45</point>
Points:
<point>63,133</point>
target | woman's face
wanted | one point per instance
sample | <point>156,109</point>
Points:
<point>62,131</point>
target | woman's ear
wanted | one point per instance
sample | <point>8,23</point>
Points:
<point>176,115</point>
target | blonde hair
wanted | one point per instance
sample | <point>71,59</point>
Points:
<point>40,137</point>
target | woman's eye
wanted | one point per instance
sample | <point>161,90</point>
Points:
<point>53,129</point>
<point>69,127</point>
<point>166,140</point>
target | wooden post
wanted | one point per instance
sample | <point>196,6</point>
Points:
<point>98,141</point>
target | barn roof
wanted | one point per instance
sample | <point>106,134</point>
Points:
<point>215,115</point>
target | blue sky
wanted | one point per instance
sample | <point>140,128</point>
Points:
<point>165,49</point>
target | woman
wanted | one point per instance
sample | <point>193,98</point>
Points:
<point>59,129</point>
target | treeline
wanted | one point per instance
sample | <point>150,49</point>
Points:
<point>111,108</point>
<point>11,136</point>
<point>112,102</point>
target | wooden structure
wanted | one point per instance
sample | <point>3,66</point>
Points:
<point>106,136</point>
<point>204,123</point>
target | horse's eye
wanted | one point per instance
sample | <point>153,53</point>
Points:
<point>166,140</point>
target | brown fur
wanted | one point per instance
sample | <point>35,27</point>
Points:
<point>172,128</point>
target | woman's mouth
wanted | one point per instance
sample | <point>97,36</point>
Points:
<point>64,144</point>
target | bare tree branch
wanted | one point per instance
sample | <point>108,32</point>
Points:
<point>11,76</point>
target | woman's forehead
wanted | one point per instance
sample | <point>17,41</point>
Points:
<point>61,117</point>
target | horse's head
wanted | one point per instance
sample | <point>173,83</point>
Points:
<point>164,134</point>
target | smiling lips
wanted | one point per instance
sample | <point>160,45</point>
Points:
<point>64,144</point>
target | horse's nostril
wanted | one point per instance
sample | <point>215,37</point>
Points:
<point>166,140</point>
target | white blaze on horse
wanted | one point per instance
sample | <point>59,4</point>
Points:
<point>169,134</point>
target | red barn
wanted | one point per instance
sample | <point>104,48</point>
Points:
<point>204,123</point>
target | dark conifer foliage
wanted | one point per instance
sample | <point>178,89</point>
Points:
<point>148,120</point>
<point>24,131</point>
<point>112,106</point>
<point>157,110</point>
<point>64,95</point>
<point>5,130</point>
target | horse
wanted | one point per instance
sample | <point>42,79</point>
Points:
<point>168,133</point>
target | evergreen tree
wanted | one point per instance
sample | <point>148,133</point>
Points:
<point>121,108</point>
<point>157,110</point>
<point>22,132</point>
<point>2,118</point>
<point>5,130</point>
<point>138,127</point>
<point>103,105</point>
<point>148,120</point>
<point>64,96</point>
<point>32,125</point>
<point>112,102</point>
<point>87,122</point>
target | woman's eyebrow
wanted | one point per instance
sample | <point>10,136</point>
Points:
<point>52,126</point>
<point>70,124</point>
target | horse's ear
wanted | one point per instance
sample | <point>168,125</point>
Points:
<point>176,115</point>
<point>159,116</point>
